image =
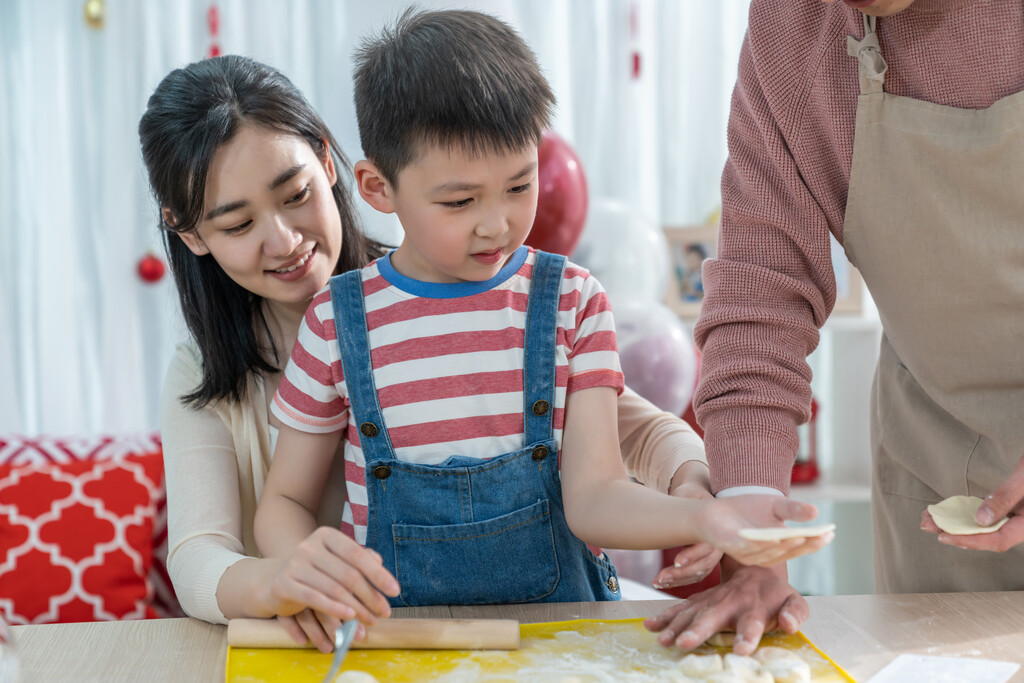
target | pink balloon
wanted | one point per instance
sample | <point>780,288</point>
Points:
<point>562,200</point>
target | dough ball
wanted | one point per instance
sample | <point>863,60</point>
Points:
<point>355,677</point>
<point>785,670</point>
<point>700,666</point>
<point>770,652</point>
<point>955,515</point>
<point>740,676</point>
<point>722,639</point>
<point>735,662</point>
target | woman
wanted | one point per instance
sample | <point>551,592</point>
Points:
<point>256,219</point>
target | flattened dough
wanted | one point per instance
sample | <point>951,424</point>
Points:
<point>955,515</point>
<point>780,533</point>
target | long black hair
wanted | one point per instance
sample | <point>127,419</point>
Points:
<point>194,111</point>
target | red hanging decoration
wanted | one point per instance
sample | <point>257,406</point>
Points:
<point>151,268</point>
<point>634,34</point>
<point>213,25</point>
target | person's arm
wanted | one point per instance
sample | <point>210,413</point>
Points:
<point>602,507</point>
<point>657,445</point>
<point>204,505</point>
<point>286,513</point>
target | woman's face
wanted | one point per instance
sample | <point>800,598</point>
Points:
<point>877,8</point>
<point>269,218</point>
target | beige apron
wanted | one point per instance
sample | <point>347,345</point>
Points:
<point>935,223</point>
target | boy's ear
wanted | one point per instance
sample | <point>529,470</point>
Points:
<point>190,238</point>
<point>374,187</point>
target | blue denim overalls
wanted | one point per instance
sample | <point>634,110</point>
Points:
<point>470,531</point>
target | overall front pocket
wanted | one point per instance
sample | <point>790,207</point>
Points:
<point>511,558</point>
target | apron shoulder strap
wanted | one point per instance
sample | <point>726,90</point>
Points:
<point>354,346</point>
<point>871,66</point>
<point>539,346</point>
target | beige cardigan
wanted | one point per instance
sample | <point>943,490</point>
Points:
<point>216,462</point>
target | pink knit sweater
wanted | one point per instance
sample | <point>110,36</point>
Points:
<point>784,189</point>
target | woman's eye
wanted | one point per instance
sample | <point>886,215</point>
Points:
<point>518,189</point>
<point>457,204</point>
<point>300,196</point>
<point>237,229</point>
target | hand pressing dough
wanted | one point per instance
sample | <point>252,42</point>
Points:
<point>955,515</point>
<point>781,533</point>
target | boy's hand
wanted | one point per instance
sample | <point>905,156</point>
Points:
<point>694,562</point>
<point>332,574</point>
<point>720,521</point>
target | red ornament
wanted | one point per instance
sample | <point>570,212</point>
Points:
<point>805,469</point>
<point>151,268</point>
<point>561,197</point>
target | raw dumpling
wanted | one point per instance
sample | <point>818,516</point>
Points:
<point>355,677</point>
<point>700,666</point>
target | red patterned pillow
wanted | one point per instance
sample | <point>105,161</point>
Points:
<point>77,533</point>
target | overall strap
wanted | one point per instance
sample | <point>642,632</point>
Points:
<point>871,66</point>
<point>539,347</point>
<point>354,344</point>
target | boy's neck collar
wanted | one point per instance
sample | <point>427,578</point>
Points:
<point>450,290</point>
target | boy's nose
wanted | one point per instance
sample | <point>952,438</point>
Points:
<point>494,226</point>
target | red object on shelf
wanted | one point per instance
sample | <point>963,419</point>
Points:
<point>805,469</point>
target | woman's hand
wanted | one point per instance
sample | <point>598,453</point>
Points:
<point>753,601</point>
<point>332,575</point>
<point>720,521</point>
<point>694,562</point>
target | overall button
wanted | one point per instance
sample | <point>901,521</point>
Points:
<point>541,407</point>
<point>381,471</point>
<point>539,453</point>
<point>368,429</point>
<point>613,584</point>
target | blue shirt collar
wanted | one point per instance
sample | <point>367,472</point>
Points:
<point>449,290</point>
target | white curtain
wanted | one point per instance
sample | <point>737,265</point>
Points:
<point>84,342</point>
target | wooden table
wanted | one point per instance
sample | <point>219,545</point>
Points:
<point>862,633</point>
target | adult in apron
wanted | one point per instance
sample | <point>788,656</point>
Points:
<point>935,223</point>
<point>470,531</point>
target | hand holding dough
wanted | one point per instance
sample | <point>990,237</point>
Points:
<point>955,515</point>
<point>780,533</point>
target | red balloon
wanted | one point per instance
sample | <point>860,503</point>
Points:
<point>562,200</point>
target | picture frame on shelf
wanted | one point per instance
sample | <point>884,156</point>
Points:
<point>688,247</point>
<point>849,284</point>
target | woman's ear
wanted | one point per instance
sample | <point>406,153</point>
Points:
<point>190,238</point>
<point>374,187</point>
<point>328,162</point>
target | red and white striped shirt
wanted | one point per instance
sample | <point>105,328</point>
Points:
<point>448,371</point>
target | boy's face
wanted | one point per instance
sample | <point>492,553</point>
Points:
<point>463,215</point>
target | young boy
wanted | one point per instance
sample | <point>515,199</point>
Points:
<point>474,378</point>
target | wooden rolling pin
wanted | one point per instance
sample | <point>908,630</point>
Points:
<point>400,634</point>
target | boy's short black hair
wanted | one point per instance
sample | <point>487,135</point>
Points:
<point>447,78</point>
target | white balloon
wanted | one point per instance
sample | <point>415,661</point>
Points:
<point>625,251</point>
<point>657,353</point>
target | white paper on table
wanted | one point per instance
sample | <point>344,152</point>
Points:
<point>927,669</point>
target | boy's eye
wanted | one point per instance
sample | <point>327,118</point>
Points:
<point>300,196</point>
<point>458,204</point>
<point>518,189</point>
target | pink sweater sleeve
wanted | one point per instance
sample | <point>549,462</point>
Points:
<point>784,190</point>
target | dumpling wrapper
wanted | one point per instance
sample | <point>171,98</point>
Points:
<point>955,515</point>
<point>781,533</point>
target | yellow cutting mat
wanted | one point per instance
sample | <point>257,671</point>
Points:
<point>581,650</point>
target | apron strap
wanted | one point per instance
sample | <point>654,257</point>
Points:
<point>539,347</point>
<point>871,66</point>
<point>350,328</point>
